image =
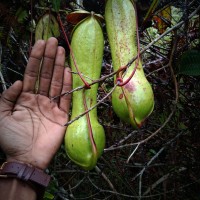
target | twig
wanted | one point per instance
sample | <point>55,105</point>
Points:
<point>1,75</point>
<point>82,75</point>
<point>106,179</point>
<point>71,194</point>
<point>15,71</point>
<point>13,36</point>
<point>133,153</point>
<point>157,70</point>
<point>150,161</point>
<point>122,140</point>
<point>66,11</point>
<point>160,180</point>
<point>91,108</point>
<point>82,87</point>
<point>3,81</point>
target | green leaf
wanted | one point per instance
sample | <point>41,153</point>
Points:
<point>152,151</point>
<point>48,196</point>
<point>56,5</point>
<point>189,63</point>
<point>182,126</point>
<point>152,8</point>
<point>21,15</point>
<point>47,27</point>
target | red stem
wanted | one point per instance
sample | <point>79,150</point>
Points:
<point>94,148</point>
<point>87,86</point>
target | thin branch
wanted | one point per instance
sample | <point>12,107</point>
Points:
<point>106,179</point>
<point>13,36</point>
<point>66,11</point>
<point>160,180</point>
<point>1,75</point>
<point>123,140</point>
<point>157,70</point>
<point>15,71</point>
<point>91,108</point>
<point>132,153</point>
<point>3,81</point>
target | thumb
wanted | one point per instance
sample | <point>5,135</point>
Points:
<point>9,97</point>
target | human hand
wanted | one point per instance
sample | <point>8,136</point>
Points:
<point>31,125</point>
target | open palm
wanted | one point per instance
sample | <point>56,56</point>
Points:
<point>31,122</point>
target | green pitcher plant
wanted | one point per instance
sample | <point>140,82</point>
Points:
<point>132,101</point>
<point>85,137</point>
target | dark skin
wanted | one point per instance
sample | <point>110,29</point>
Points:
<point>31,123</point>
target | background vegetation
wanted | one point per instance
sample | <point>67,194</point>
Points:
<point>162,159</point>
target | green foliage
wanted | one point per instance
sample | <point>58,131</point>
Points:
<point>51,190</point>
<point>56,5</point>
<point>21,15</point>
<point>190,63</point>
<point>48,196</point>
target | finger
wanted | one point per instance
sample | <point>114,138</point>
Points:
<point>9,97</point>
<point>33,66</point>
<point>65,100</point>
<point>47,66</point>
<point>57,79</point>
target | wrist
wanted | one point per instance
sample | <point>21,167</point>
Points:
<point>28,174</point>
<point>12,188</point>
